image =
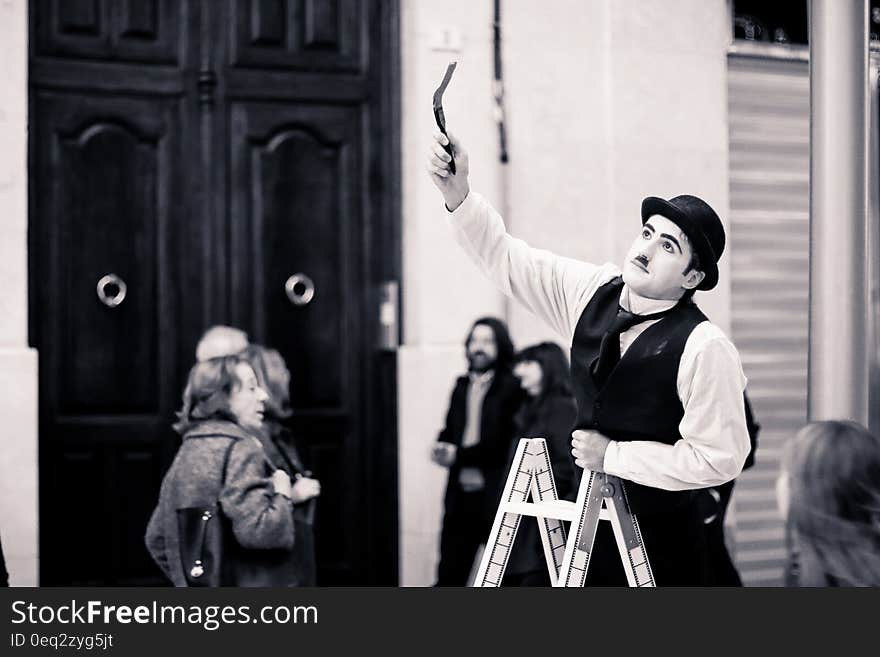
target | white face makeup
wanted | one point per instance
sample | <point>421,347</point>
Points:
<point>656,262</point>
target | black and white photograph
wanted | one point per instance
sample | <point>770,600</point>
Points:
<point>440,294</point>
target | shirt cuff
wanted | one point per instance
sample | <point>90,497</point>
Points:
<point>613,462</point>
<point>465,207</point>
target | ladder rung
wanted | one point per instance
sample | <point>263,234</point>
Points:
<point>558,509</point>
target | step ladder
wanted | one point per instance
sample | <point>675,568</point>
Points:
<point>567,559</point>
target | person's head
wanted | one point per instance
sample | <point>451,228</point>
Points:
<point>219,341</point>
<point>542,369</point>
<point>676,253</point>
<point>223,388</point>
<point>829,492</point>
<point>488,345</point>
<point>274,378</point>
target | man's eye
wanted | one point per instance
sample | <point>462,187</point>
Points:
<point>668,247</point>
<point>646,234</point>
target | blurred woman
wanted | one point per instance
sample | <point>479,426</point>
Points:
<point>278,441</point>
<point>221,475</point>
<point>548,412</point>
<point>829,493</point>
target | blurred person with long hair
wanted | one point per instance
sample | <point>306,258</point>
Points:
<point>473,446</point>
<point>829,494</point>
<point>549,412</point>
<point>278,441</point>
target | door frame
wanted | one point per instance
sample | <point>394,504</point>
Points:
<point>388,230</point>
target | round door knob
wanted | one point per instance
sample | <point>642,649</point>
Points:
<point>300,289</point>
<point>111,290</point>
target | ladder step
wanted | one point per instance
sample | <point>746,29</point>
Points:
<point>558,509</point>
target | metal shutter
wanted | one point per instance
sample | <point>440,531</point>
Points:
<point>769,114</point>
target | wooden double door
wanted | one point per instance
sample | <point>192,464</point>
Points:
<point>195,162</point>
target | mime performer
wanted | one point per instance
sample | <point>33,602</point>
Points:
<point>659,388</point>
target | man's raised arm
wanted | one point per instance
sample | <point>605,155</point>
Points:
<point>554,288</point>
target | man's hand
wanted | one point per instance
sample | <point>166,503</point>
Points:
<point>588,448</point>
<point>471,479</point>
<point>443,453</point>
<point>454,188</point>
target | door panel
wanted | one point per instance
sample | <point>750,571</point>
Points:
<point>107,183</point>
<point>312,35</point>
<point>114,30</point>
<point>294,204</point>
<point>294,212</point>
<point>106,373</point>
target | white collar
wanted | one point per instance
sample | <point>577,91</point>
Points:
<point>635,303</point>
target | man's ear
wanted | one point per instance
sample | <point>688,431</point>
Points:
<point>693,278</point>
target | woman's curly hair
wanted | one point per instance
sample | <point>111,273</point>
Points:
<point>206,396</point>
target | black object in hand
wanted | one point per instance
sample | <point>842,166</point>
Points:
<point>438,111</point>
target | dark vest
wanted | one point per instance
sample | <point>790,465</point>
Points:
<point>639,401</point>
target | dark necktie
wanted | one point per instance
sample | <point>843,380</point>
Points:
<point>609,349</point>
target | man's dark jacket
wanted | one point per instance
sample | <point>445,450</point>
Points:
<point>496,433</point>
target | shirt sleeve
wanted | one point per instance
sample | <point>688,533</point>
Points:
<point>552,287</point>
<point>715,440</point>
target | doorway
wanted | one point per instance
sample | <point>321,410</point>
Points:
<point>195,162</point>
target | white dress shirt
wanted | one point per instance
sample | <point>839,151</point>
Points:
<point>478,386</point>
<point>715,440</point>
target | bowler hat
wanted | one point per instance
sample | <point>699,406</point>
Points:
<point>701,225</point>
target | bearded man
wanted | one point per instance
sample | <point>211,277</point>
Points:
<point>473,445</point>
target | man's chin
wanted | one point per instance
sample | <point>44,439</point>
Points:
<point>640,286</point>
<point>649,291</point>
<point>634,278</point>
